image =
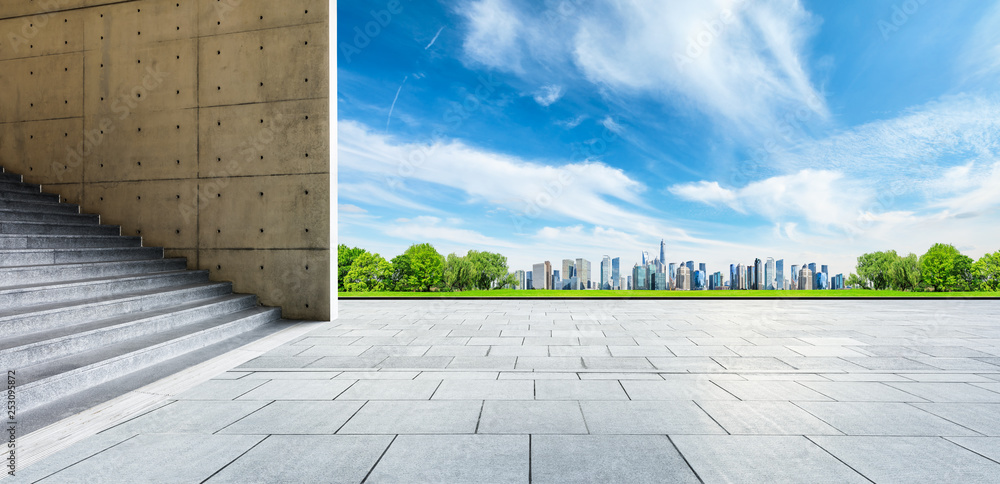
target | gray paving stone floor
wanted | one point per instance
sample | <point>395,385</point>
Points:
<point>586,391</point>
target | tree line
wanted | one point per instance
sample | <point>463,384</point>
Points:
<point>941,268</point>
<point>420,268</point>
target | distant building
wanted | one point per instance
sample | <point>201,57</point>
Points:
<point>732,276</point>
<point>684,278</point>
<point>671,275</point>
<point>758,274</point>
<point>605,280</point>
<point>639,279</point>
<point>568,268</point>
<point>779,274</point>
<point>770,279</point>
<point>556,281</point>
<point>805,279</point>
<point>628,283</point>
<point>822,281</point>
<point>699,281</point>
<point>583,272</point>
<point>616,273</point>
<point>659,281</point>
<point>529,283</point>
<point>519,277</point>
<point>794,282</point>
<point>542,275</point>
<point>663,253</point>
<point>812,267</point>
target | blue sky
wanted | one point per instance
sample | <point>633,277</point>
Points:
<point>544,130</point>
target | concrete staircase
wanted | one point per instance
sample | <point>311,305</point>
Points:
<point>83,307</point>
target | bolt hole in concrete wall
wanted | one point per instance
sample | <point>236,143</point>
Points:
<point>149,112</point>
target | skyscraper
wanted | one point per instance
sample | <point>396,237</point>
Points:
<point>824,269</point>
<point>556,281</point>
<point>690,265</point>
<point>769,277</point>
<point>812,267</point>
<point>519,277</point>
<point>805,279</point>
<point>628,283</point>
<point>616,273</point>
<point>542,275</point>
<point>583,272</point>
<point>758,274</point>
<point>702,267</point>
<point>732,276</point>
<point>663,253</point>
<point>779,274</point>
<point>698,281</point>
<point>605,274</point>
<point>672,276</point>
<point>683,278</point>
<point>568,268</point>
<point>529,282</point>
<point>794,282</point>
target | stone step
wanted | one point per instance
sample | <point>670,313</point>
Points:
<point>44,228</point>
<point>31,257</point>
<point>51,293</point>
<point>47,217</point>
<point>59,378</point>
<point>66,241</point>
<point>38,206</point>
<point>19,187</point>
<point>35,348</point>
<point>15,322</point>
<point>87,270</point>
<point>30,197</point>
<point>10,176</point>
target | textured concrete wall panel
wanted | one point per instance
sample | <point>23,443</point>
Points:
<point>20,8</point>
<point>154,77</point>
<point>139,23</point>
<point>299,279</point>
<point>41,35</point>
<point>143,146</point>
<point>264,66</point>
<point>265,139</point>
<point>155,210</point>
<point>45,87</point>
<point>44,151</point>
<point>265,212</point>
<point>228,16</point>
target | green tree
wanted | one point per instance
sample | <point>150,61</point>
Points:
<point>873,268</point>
<point>904,273</point>
<point>458,273</point>
<point>855,282</point>
<point>403,277</point>
<point>345,257</point>
<point>987,272</point>
<point>426,267</point>
<point>489,269</point>
<point>944,268</point>
<point>369,272</point>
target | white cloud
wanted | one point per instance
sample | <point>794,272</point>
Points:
<point>613,125</point>
<point>433,229</point>
<point>587,191</point>
<point>706,192</point>
<point>493,31</point>
<point>572,123</point>
<point>548,94</point>
<point>348,208</point>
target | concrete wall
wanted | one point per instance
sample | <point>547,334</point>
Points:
<point>201,125</point>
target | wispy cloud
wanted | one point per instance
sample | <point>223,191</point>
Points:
<point>429,44</point>
<point>572,122</point>
<point>548,94</point>
<point>393,105</point>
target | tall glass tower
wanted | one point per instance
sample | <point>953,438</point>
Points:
<point>779,274</point>
<point>769,277</point>
<point>615,274</point>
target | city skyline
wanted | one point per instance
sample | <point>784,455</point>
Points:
<point>728,128</point>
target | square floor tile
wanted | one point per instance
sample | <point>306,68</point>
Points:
<point>531,417</point>
<point>765,418</point>
<point>414,417</point>
<point>306,458</point>
<point>607,458</point>
<point>910,459</point>
<point>454,458</point>
<point>295,417</point>
<point>675,417</point>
